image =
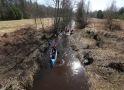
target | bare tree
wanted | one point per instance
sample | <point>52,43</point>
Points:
<point>87,10</point>
<point>61,12</point>
<point>67,11</point>
<point>63,9</point>
<point>57,15</point>
<point>110,12</point>
<point>82,12</point>
<point>35,12</point>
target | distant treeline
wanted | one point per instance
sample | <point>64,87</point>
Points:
<point>118,14</point>
<point>22,9</point>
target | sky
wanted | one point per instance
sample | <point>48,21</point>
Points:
<point>95,4</point>
<point>102,4</point>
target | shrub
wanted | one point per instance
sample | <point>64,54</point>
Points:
<point>122,16</point>
<point>27,15</point>
<point>121,10</point>
<point>3,13</point>
<point>18,13</point>
<point>100,14</point>
<point>11,14</point>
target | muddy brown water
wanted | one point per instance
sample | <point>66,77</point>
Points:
<point>67,74</point>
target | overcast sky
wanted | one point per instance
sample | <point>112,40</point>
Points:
<point>102,4</point>
<point>95,4</point>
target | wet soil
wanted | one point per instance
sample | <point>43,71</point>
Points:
<point>67,73</point>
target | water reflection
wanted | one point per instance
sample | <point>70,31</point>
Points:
<point>76,65</point>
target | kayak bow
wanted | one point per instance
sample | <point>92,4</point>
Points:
<point>53,60</point>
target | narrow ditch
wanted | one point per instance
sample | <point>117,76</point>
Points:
<point>67,74</point>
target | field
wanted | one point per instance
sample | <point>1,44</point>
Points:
<point>13,25</point>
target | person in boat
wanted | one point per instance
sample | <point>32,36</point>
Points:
<point>53,55</point>
<point>68,30</point>
<point>54,48</point>
<point>50,43</point>
<point>72,31</point>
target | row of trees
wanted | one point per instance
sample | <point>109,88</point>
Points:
<point>60,10</point>
<point>115,13</point>
<point>120,14</point>
<point>18,9</point>
<point>10,13</point>
<point>13,9</point>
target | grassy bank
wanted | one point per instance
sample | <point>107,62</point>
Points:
<point>105,49</point>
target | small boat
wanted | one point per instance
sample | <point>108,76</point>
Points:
<point>53,59</point>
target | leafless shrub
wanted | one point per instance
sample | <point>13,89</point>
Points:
<point>114,26</point>
<point>110,12</point>
<point>63,9</point>
<point>83,12</point>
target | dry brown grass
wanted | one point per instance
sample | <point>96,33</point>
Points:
<point>101,23</point>
<point>21,54</point>
<point>101,78</point>
<point>22,43</point>
<point>23,22</point>
<point>13,25</point>
<point>100,75</point>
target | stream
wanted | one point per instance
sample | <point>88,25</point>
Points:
<point>67,73</point>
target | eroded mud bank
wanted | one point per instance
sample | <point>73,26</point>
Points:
<point>21,55</point>
<point>101,51</point>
